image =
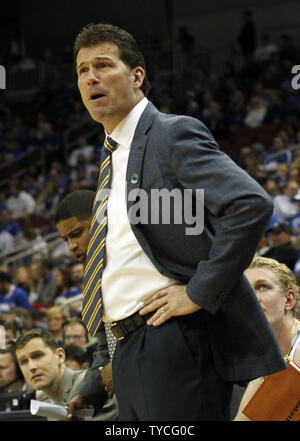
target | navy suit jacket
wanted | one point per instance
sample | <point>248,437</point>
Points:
<point>179,152</point>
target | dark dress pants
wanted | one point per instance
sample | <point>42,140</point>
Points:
<point>166,373</point>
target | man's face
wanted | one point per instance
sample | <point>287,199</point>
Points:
<point>269,293</point>
<point>280,238</point>
<point>39,364</point>
<point>78,273</point>
<point>7,369</point>
<point>76,233</point>
<point>74,333</point>
<point>108,87</point>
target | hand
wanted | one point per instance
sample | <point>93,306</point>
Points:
<point>76,403</point>
<point>106,375</point>
<point>169,302</point>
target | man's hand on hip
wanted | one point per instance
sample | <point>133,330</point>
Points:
<point>169,302</point>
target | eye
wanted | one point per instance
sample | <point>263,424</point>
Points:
<point>82,70</point>
<point>262,287</point>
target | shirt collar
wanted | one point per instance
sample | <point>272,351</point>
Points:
<point>124,132</point>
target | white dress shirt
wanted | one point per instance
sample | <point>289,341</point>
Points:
<point>129,276</point>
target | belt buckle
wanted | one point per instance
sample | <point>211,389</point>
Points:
<point>118,338</point>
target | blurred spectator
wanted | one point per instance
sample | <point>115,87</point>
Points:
<point>75,332</point>
<point>256,112</point>
<point>271,187</point>
<point>31,239</point>
<point>285,205</point>
<point>185,40</point>
<point>76,357</point>
<point>20,203</point>
<point>49,139</point>
<point>266,50</point>
<point>47,200</point>
<point>6,242</point>
<point>281,176</point>
<point>8,224</point>
<point>276,155</point>
<point>23,278</point>
<point>84,150</point>
<point>78,275</point>
<point>11,377</point>
<point>287,49</point>
<point>65,285</point>
<point>282,249</point>
<point>46,284</point>
<point>11,295</point>
<point>247,36</point>
<point>55,317</point>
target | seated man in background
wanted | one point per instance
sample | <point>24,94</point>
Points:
<point>73,220</point>
<point>277,290</point>
<point>11,377</point>
<point>42,363</point>
<point>76,357</point>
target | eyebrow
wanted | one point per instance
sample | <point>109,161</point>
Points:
<point>97,58</point>
<point>74,230</point>
<point>24,357</point>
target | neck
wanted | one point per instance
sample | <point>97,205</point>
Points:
<point>110,125</point>
<point>52,390</point>
<point>286,333</point>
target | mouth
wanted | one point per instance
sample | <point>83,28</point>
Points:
<point>36,377</point>
<point>80,257</point>
<point>96,96</point>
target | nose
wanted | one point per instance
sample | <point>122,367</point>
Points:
<point>72,245</point>
<point>31,365</point>
<point>92,78</point>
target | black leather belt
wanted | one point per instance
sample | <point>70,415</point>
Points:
<point>124,327</point>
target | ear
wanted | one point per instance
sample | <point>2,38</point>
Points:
<point>138,77</point>
<point>290,300</point>
<point>60,352</point>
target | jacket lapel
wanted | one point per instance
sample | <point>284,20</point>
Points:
<point>137,151</point>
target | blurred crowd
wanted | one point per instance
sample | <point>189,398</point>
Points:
<point>251,109</point>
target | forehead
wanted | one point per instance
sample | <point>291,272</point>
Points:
<point>105,49</point>
<point>36,344</point>
<point>6,358</point>
<point>66,225</point>
<point>71,327</point>
<point>261,273</point>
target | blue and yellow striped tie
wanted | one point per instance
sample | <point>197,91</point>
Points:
<point>92,309</point>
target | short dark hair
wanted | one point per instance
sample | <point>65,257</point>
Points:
<point>5,277</point>
<point>72,321</point>
<point>10,349</point>
<point>76,353</point>
<point>45,335</point>
<point>93,34</point>
<point>79,204</point>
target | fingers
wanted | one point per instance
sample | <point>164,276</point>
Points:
<point>158,300</point>
<point>161,315</point>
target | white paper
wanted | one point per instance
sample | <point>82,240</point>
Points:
<point>49,410</point>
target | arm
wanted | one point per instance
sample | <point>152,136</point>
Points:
<point>252,387</point>
<point>235,205</point>
<point>238,203</point>
<point>91,390</point>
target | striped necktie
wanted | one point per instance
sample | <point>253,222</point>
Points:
<point>92,309</point>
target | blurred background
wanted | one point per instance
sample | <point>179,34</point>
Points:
<point>227,63</point>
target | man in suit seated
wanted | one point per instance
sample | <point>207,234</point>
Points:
<point>42,363</point>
